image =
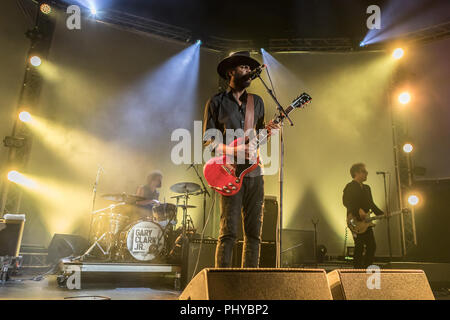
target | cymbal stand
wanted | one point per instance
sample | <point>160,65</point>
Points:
<point>184,223</point>
<point>94,196</point>
<point>203,191</point>
<point>96,243</point>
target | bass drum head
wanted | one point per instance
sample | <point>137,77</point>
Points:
<point>145,240</point>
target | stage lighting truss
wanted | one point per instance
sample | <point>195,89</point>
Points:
<point>133,22</point>
<point>311,44</point>
<point>13,142</point>
<point>432,33</point>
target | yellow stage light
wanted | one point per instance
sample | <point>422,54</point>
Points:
<point>404,97</point>
<point>35,61</point>
<point>25,116</point>
<point>398,53</point>
<point>413,200</point>
<point>17,177</point>
<point>45,8</point>
<point>407,147</point>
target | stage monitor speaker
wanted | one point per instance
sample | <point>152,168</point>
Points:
<point>206,260</point>
<point>65,245</point>
<point>358,284</point>
<point>269,227</point>
<point>258,284</point>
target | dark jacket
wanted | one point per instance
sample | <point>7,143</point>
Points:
<point>356,197</point>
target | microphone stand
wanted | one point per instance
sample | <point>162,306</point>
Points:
<point>282,115</point>
<point>204,192</point>
<point>388,217</point>
<point>94,196</point>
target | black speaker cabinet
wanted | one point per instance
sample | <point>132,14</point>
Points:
<point>258,284</point>
<point>358,284</point>
<point>206,260</point>
<point>297,247</point>
<point>269,227</point>
<point>65,245</point>
<point>11,231</point>
<point>267,255</point>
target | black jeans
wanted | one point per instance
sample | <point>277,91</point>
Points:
<point>366,239</point>
<point>249,200</point>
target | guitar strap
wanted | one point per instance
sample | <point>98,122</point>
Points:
<point>249,112</point>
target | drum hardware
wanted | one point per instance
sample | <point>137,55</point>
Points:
<point>143,240</point>
<point>203,191</point>
<point>94,197</point>
<point>123,197</point>
<point>185,190</point>
<point>113,228</point>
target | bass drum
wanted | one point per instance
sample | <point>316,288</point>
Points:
<point>142,240</point>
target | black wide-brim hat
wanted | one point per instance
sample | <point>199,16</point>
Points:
<point>236,59</point>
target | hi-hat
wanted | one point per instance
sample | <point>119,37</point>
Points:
<point>185,187</point>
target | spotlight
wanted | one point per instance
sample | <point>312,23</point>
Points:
<point>93,11</point>
<point>14,176</point>
<point>45,8</point>
<point>198,42</point>
<point>35,61</point>
<point>398,53</point>
<point>362,44</point>
<point>407,147</point>
<point>404,97</point>
<point>19,178</point>
<point>25,116</point>
<point>413,200</point>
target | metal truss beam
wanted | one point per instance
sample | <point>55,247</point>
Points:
<point>41,36</point>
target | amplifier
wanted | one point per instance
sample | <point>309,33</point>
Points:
<point>269,228</point>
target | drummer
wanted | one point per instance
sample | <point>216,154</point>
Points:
<point>149,192</point>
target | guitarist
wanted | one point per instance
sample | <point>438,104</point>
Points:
<point>358,200</point>
<point>227,110</point>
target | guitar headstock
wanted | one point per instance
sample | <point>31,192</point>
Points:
<point>301,101</point>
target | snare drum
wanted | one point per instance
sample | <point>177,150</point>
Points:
<point>142,240</point>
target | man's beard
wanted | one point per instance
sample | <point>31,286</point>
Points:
<point>243,81</point>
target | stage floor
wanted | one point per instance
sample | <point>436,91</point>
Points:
<point>139,288</point>
<point>22,288</point>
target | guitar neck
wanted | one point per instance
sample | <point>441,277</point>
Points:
<point>275,120</point>
<point>383,216</point>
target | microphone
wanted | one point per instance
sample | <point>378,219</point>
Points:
<point>382,172</point>
<point>256,72</point>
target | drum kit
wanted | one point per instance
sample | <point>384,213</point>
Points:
<point>126,232</point>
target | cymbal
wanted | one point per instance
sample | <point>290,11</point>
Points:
<point>183,187</point>
<point>122,197</point>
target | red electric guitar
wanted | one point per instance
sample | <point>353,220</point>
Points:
<point>225,177</point>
